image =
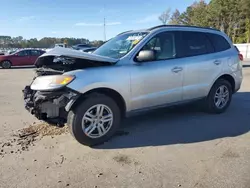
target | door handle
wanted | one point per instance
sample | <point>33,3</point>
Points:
<point>217,62</point>
<point>177,69</point>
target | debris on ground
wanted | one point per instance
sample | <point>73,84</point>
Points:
<point>26,137</point>
<point>62,159</point>
<point>45,130</point>
<point>6,144</point>
<point>99,175</point>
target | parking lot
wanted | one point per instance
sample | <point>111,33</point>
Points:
<point>176,147</point>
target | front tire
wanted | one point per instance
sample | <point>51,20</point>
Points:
<point>95,120</point>
<point>219,97</point>
<point>6,64</point>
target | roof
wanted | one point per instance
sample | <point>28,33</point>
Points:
<point>169,26</point>
<point>181,26</point>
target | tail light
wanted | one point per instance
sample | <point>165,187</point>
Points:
<point>239,54</point>
<point>241,57</point>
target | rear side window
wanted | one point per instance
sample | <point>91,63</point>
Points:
<point>219,42</point>
<point>195,43</point>
<point>34,53</point>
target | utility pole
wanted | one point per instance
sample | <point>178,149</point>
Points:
<point>104,29</point>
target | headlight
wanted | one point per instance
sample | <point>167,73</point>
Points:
<point>51,82</point>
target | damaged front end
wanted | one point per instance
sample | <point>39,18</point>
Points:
<point>50,106</point>
<point>47,97</point>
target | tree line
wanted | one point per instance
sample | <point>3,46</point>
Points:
<point>229,16</point>
<point>46,42</point>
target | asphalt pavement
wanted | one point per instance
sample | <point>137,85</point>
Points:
<point>173,147</point>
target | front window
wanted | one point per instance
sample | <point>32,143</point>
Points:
<point>12,52</point>
<point>23,53</point>
<point>163,45</point>
<point>120,45</point>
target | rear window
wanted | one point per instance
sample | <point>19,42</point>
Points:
<point>219,42</point>
<point>195,43</point>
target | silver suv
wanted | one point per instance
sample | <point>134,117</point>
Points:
<point>133,72</point>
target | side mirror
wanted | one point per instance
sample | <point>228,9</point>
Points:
<point>146,55</point>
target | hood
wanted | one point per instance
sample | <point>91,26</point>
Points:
<point>70,53</point>
<point>61,60</point>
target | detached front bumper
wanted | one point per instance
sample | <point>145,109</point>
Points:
<point>50,106</point>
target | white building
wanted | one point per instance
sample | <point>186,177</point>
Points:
<point>244,50</point>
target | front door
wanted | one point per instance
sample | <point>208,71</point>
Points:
<point>21,58</point>
<point>158,82</point>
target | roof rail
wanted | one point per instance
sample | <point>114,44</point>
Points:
<point>124,32</point>
<point>185,26</point>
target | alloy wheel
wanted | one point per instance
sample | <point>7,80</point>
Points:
<point>97,121</point>
<point>6,64</point>
<point>221,97</point>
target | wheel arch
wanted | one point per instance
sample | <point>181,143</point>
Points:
<point>5,60</point>
<point>115,95</point>
<point>227,77</point>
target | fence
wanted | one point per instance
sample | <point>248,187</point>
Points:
<point>244,50</point>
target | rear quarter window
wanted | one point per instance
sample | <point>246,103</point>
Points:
<point>219,42</point>
<point>194,44</point>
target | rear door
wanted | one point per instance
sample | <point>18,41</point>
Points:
<point>34,54</point>
<point>202,62</point>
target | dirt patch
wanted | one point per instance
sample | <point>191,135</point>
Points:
<point>26,137</point>
<point>43,130</point>
<point>230,154</point>
<point>123,159</point>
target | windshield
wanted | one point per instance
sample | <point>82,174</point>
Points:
<point>120,45</point>
<point>12,52</point>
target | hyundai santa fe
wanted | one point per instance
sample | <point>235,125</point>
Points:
<point>132,72</point>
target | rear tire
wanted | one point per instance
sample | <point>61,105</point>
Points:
<point>6,64</point>
<point>88,108</point>
<point>218,103</point>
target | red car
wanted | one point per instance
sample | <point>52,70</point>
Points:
<point>20,58</point>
